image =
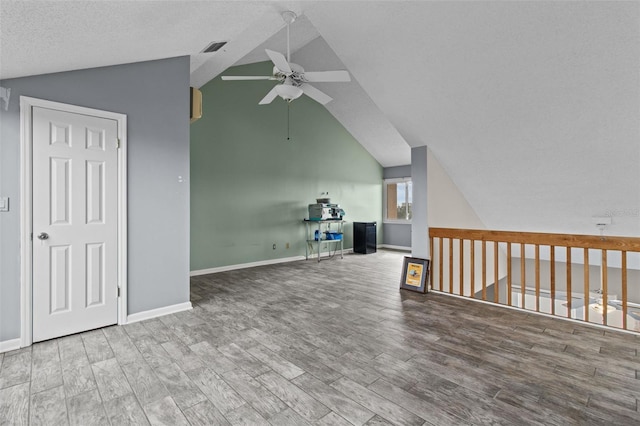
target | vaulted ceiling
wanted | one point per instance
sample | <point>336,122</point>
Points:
<point>533,108</point>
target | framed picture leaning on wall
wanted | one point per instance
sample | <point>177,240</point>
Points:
<point>415,274</point>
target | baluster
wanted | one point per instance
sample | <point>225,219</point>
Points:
<point>472,273</point>
<point>552,256</point>
<point>509,274</point>
<point>484,270</point>
<point>537,256</point>
<point>440,263</point>
<point>461,280</point>
<point>624,289</point>
<point>586,284</point>
<point>431,263</point>
<point>523,287</point>
<point>496,275</point>
<point>450,265</point>
<point>605,288</point>
<point>569,297</point>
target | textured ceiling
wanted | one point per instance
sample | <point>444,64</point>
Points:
<point>354,108</point>
<point>42,37</point>
<point>533,108</point>
<point>48,36</point>
<point>301,33</point>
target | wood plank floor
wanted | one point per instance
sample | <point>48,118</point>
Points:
<point>329,343</point>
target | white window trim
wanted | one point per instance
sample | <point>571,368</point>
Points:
<point>384,205</point>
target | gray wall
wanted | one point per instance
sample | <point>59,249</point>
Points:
<point>155,97</point>
<point>397,234</point>
<point>419,223</point>
<point>397,172</point>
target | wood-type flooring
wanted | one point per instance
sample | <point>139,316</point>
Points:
<point>329,343</point>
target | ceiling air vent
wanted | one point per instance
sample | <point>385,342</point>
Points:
<point>214,46</point>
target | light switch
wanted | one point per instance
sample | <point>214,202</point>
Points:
<point>4,204</point>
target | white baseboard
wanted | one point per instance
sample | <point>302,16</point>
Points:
<point>154,313</point>
<point>389,246</point>
<point>260,263</point>
<point>245,265</point>
<point>9,345</point>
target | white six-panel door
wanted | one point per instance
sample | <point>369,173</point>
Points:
<point>75,232</point>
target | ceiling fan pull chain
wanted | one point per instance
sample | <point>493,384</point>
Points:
<point>288,106</point>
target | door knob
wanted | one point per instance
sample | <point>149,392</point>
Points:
<point>43,236</point>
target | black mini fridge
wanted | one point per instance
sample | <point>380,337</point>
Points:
<point>364,237</point>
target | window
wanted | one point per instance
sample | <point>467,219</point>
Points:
<point>398,200</point>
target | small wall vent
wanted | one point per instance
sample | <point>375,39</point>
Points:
<point>214,46</point>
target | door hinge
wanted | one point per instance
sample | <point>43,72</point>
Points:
<point>118,143</point>
<point>118,291</point>
<point>32,236</point>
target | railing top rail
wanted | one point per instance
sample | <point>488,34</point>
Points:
<point>605,242</point>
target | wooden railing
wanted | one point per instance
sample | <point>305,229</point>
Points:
<point>559,274</point>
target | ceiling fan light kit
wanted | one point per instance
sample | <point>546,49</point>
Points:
<point>287,92</point>
<point>292,79</point>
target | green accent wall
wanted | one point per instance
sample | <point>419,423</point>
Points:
<point>250,186</point>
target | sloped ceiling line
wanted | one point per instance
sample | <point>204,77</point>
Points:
<point>351,106</point>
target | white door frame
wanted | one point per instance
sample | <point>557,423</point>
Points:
<point>26,208</point>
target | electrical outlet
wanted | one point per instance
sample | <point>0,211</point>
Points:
<point>601,220</point>
<point>287,246</point>
<point>274,246</point>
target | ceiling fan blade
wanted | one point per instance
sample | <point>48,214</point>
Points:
<point>247,77</point>
<point>316,94</point>
<point>327,76</point>
<point>279,61</point>
<point>270,96</point>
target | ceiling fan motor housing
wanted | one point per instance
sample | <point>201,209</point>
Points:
<point>295,77</point>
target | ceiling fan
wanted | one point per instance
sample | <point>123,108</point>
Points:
<point>293,79</point>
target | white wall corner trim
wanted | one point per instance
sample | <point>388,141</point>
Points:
<point>9,345</point>
<point>159,312</point>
